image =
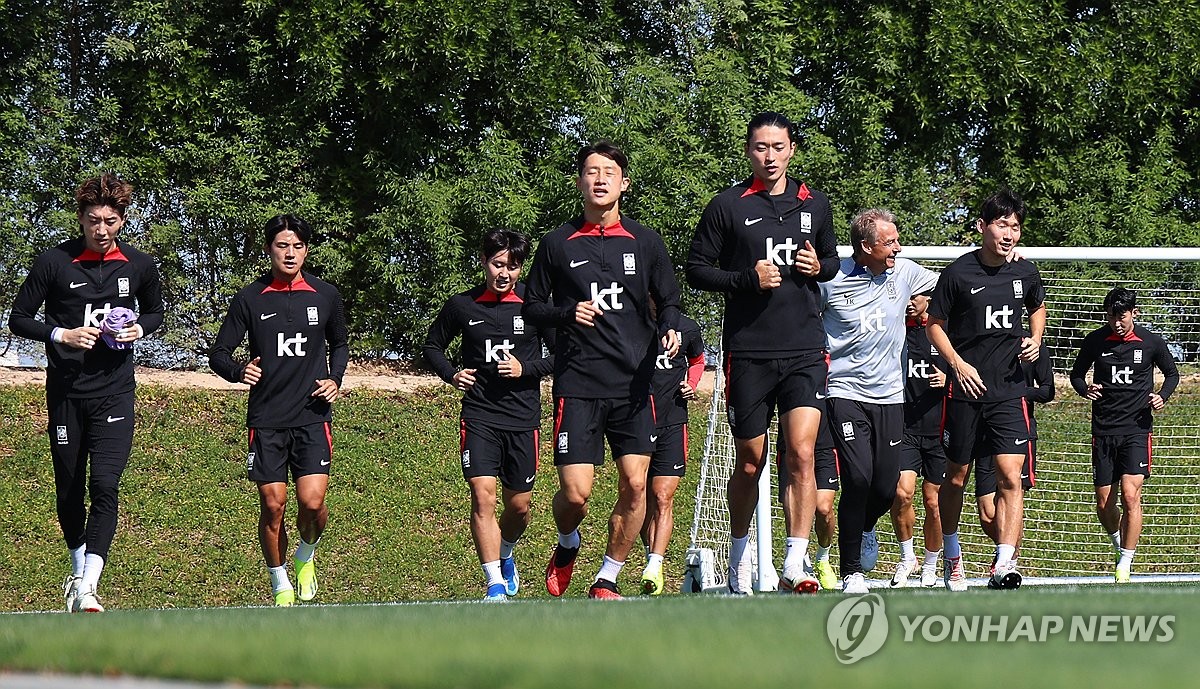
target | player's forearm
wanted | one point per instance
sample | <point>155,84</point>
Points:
<point>1037,324</point>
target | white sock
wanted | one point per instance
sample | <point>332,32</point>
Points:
<point>1126,557</point>
<point>822,552</point>
<point>506,548</point>
<point>610,570</point>
<point>491,572</point>
<point>77,556</point>
<point>931,557</point>
<point>654,563</point>
<point>1004,553</point>
<point>906,550</point>
<point>797,548</point>
<point>279,579</point>
<point>1115,537</point>
<point>737,549</point>
<point>569,541</point>
<point>950,545</point>
<point>93,565</point>
<point>304,551</point>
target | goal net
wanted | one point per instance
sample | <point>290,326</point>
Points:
<point>1063,539</point>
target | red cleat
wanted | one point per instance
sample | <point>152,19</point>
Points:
<point>559,570</point>
<point>604,589</point>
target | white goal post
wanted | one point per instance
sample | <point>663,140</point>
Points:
<point>1063,540</point>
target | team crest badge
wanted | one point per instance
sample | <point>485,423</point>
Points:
<point>518,325</point>
<point>313,316</point>
<point>122,287</point>
<point>891,291</point>
<point>805,221</point>
<point>848,430</point>
<point>1137,356</point>
<point>630,264</point>
<point>1018,291</point>
<point>60,434</point>
<point>563,444</point>
<point>466,459</point>
<point>250,461</point>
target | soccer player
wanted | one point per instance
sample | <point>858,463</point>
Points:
<point>764,244</point>
<point>921,453</point>
<point>593,280</point>
<point>89,376</point>
<point>502,365</point>
<point>975,323</point>
<point>296,329</point>
<point>674,384</point>
<point>1039,389</point>
<point>863,310</point>
<point>1122,356</point>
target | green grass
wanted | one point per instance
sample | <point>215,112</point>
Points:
<point>187,535</point>
<point>676,641</point>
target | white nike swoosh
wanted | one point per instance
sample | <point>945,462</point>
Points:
<point>77,284</point>
<point>754,221</point>
<point>833,480</point>
<point>1143,465</point>
<point>114,419</point>
<point>1024,476</point>
<point>576,264</point>
<point>324,462</point>
<point>977,290</point>
<point>474,322</point>
<point>265,316</point>
<point>678,466</point>
<point>1022,442</point>
<point>654,438</point>
<point>894,443</point>
<point>821,395</point>
<point>1106,353</point>
<point>529,480</point>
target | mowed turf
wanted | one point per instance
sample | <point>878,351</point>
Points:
<point>676,641</point>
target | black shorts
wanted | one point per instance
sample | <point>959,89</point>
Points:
<point>866,434</point>
<point>825,460</point>
<point>1114,456</point>
<point>985,472</point>
<point>304,449</point>
<point>924,455</point>
<point>581,426</point>
<point>510,455</point>
<point>755,387</point>
<point>670,452</point>
<point>101,427</point>
<point>980,429</point>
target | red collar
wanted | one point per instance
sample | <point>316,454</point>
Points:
<point>756,185</point>
<point>113,254</point>
<point>594,230</point>
<point>490,297</point>
<point>298,285</point>
<point>914,323</point>
<point>1131,336</point>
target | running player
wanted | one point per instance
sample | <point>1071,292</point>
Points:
<point>89,376</point>
<point>502,365</point>
<point>1122,356</point>
<point>593,280</point>
<point>1039,389</point>
<point>921,453</point>
<point>764,244</point>
<point>864,307</point>
<point>975,323</point>
<point>298,353</point>
<point>675,382</point>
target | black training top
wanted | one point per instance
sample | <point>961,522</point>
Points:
<point>621,267</point>
<point>983,307</point>
<point>79,287</point>
<point>1125,367</point>
<point>492,329</point>
<point>1039,385</point>
<point>743,225</point>
<point>299,330</point>
<point>670,408</point>
<point>922,404</point>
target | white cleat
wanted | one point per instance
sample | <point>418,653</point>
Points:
<point>903,569</point>
<point>740,576</point>
<point>87,601</point>
<point>929,577</point>
<point>868,553</point>
<point>71,591</point>
<point>954,576</point>
<point>855,584</point>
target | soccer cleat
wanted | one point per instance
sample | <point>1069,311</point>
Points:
<point>903,569</point>
<point>825,575</point>
<point>798,581</point>
<point>868,552</point>
<point>306,579</point>
<point>496,593</point>
<point>285,598</point>
<point>86,601</point>
<point>929,577</point>
<point>1121,576</point>
<point>603,589</point>
<point>512,580</point>
<point>855,584</point>
<point>71,591</point>
<point>954,576</point>
<point>652,583</point>
<point>1005,576</point>
<point>739,578</point>
<point>559,570</point>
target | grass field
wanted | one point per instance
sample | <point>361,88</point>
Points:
<point>676,641</point>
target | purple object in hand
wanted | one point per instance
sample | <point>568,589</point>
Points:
<point>117,320</point>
